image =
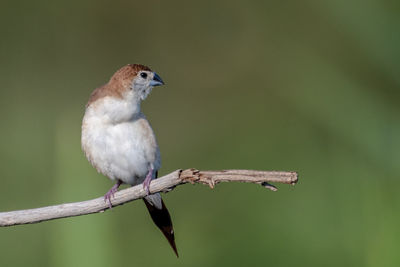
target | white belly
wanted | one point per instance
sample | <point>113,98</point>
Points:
<point>124,151</point>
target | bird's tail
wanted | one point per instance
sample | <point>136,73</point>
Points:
<point>160,215</point>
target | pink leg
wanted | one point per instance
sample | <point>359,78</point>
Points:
<point>147,181</point>
<point>111,193</point>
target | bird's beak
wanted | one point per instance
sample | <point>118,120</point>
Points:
<point>156,80</point>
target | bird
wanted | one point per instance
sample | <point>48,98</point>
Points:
<point>119,142</point>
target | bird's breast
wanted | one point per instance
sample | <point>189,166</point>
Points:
<point>123,151</point>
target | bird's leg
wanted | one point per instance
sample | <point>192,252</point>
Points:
<point>111,193</point>
<point>147,181</point>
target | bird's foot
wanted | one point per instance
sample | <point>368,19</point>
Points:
<point>147,181</point>
<point>111,193</point>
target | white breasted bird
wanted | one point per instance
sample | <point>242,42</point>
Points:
<point>119,142</point>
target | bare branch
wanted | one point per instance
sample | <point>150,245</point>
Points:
<point>162,184</point>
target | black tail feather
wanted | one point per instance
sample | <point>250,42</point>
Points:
<point>162,219</point>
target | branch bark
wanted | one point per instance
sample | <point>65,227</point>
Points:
<point>162,184</point>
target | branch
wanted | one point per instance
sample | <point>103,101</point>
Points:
<point>162,184</point>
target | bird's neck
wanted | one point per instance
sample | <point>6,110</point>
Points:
<point>113,110</point>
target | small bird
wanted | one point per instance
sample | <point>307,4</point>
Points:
<point>119,142</point>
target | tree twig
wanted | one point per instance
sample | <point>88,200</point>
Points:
<point>162,184</point>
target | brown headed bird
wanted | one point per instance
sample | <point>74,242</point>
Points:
<point>119,142</point>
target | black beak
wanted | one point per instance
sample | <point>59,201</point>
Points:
<point>156,80</point>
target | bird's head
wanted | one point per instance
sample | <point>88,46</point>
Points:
<point>135,80</point>
<point>120,98</point>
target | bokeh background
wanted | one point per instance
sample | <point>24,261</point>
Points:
<point>309,86</point>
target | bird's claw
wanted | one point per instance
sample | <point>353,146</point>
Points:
<point>147,181</point>
<point>110,194</point>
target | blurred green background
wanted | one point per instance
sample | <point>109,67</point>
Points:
<point>310,86</point>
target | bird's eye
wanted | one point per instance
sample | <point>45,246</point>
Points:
<point>143,75</point>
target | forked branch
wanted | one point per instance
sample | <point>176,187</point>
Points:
<point>162,184</point>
